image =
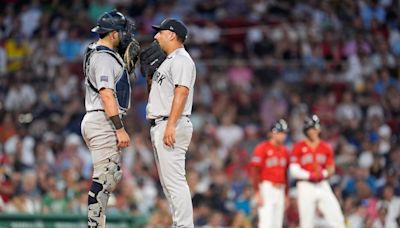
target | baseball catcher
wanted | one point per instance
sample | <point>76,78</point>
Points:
<point>107,65</point>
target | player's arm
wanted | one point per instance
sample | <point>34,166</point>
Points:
<point>111,108</point>
<point>256,162</point>
<point>297,172</point>
<point>105,84</point>
<point>255,181</point>
<point>109,102</point>
<point>178,103</point>
<point>287,171</point>
<point>183,71</point>
<point>330,163</point>
<point>301,174</point>
<point>255,177</point>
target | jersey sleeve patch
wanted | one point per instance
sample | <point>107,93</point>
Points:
<point>106,69</point>
<point>104,78</point>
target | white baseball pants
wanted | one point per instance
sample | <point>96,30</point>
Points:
<point>270,214</point>
<point>312,195</point>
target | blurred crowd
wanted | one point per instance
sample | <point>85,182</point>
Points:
<point>257,61</point>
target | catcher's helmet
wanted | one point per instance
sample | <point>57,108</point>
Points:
<point>280,126</point>
<point>311,122</point>
<point>110,21</point>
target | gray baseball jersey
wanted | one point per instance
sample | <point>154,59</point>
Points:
<point>177,69</point>
<point>105,69</point>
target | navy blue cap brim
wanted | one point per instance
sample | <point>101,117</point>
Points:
<point>156,27</point>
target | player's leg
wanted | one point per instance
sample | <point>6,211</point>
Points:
<point>172,171</point>
<point>107,174</point>
<point>156,139</point>
<point>329,206</point>
<point>306,200</point>
<point>279,206</point>
<point>265,211</point>
<point>101,141</point>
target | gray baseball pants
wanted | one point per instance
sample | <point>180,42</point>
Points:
<point>170,163</point>
<point>99,135</point>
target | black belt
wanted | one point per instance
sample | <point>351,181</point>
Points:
<point>153,121</point>
<point>96,110</point>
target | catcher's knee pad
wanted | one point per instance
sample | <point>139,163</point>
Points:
<point>111,173</point>
<point>97,204</point>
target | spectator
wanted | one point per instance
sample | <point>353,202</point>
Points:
<point>30,15</point>
<point>390,206</point>
<point>55,200</point>
<point>21,96</point>
<point>228,127</point>
<point>17,51</point>
<point>97,7</point>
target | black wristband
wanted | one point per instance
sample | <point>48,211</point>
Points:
<point>116,121</point>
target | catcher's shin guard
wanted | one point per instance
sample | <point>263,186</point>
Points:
<point>97,204</point>
<point>100,191</point>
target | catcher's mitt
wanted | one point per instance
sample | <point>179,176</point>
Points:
<point>131,55</point>
<point>151,58</point>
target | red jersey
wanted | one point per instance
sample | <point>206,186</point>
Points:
<point>311,160</point>
<point>272,162</point>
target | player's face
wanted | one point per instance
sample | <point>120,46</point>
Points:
<point>279,137</point>
<point>313,133</point>
<point>163,37</point>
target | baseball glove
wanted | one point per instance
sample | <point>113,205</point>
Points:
<point>131,55</point>
<point>151,58</point>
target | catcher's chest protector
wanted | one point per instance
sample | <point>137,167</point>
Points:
<point>122,83</point>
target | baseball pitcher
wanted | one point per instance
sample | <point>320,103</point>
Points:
<point>171,83</point>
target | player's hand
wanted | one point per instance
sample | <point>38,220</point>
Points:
<point>169,135</point>
<point>123,140</point>
<point>316,176</point>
